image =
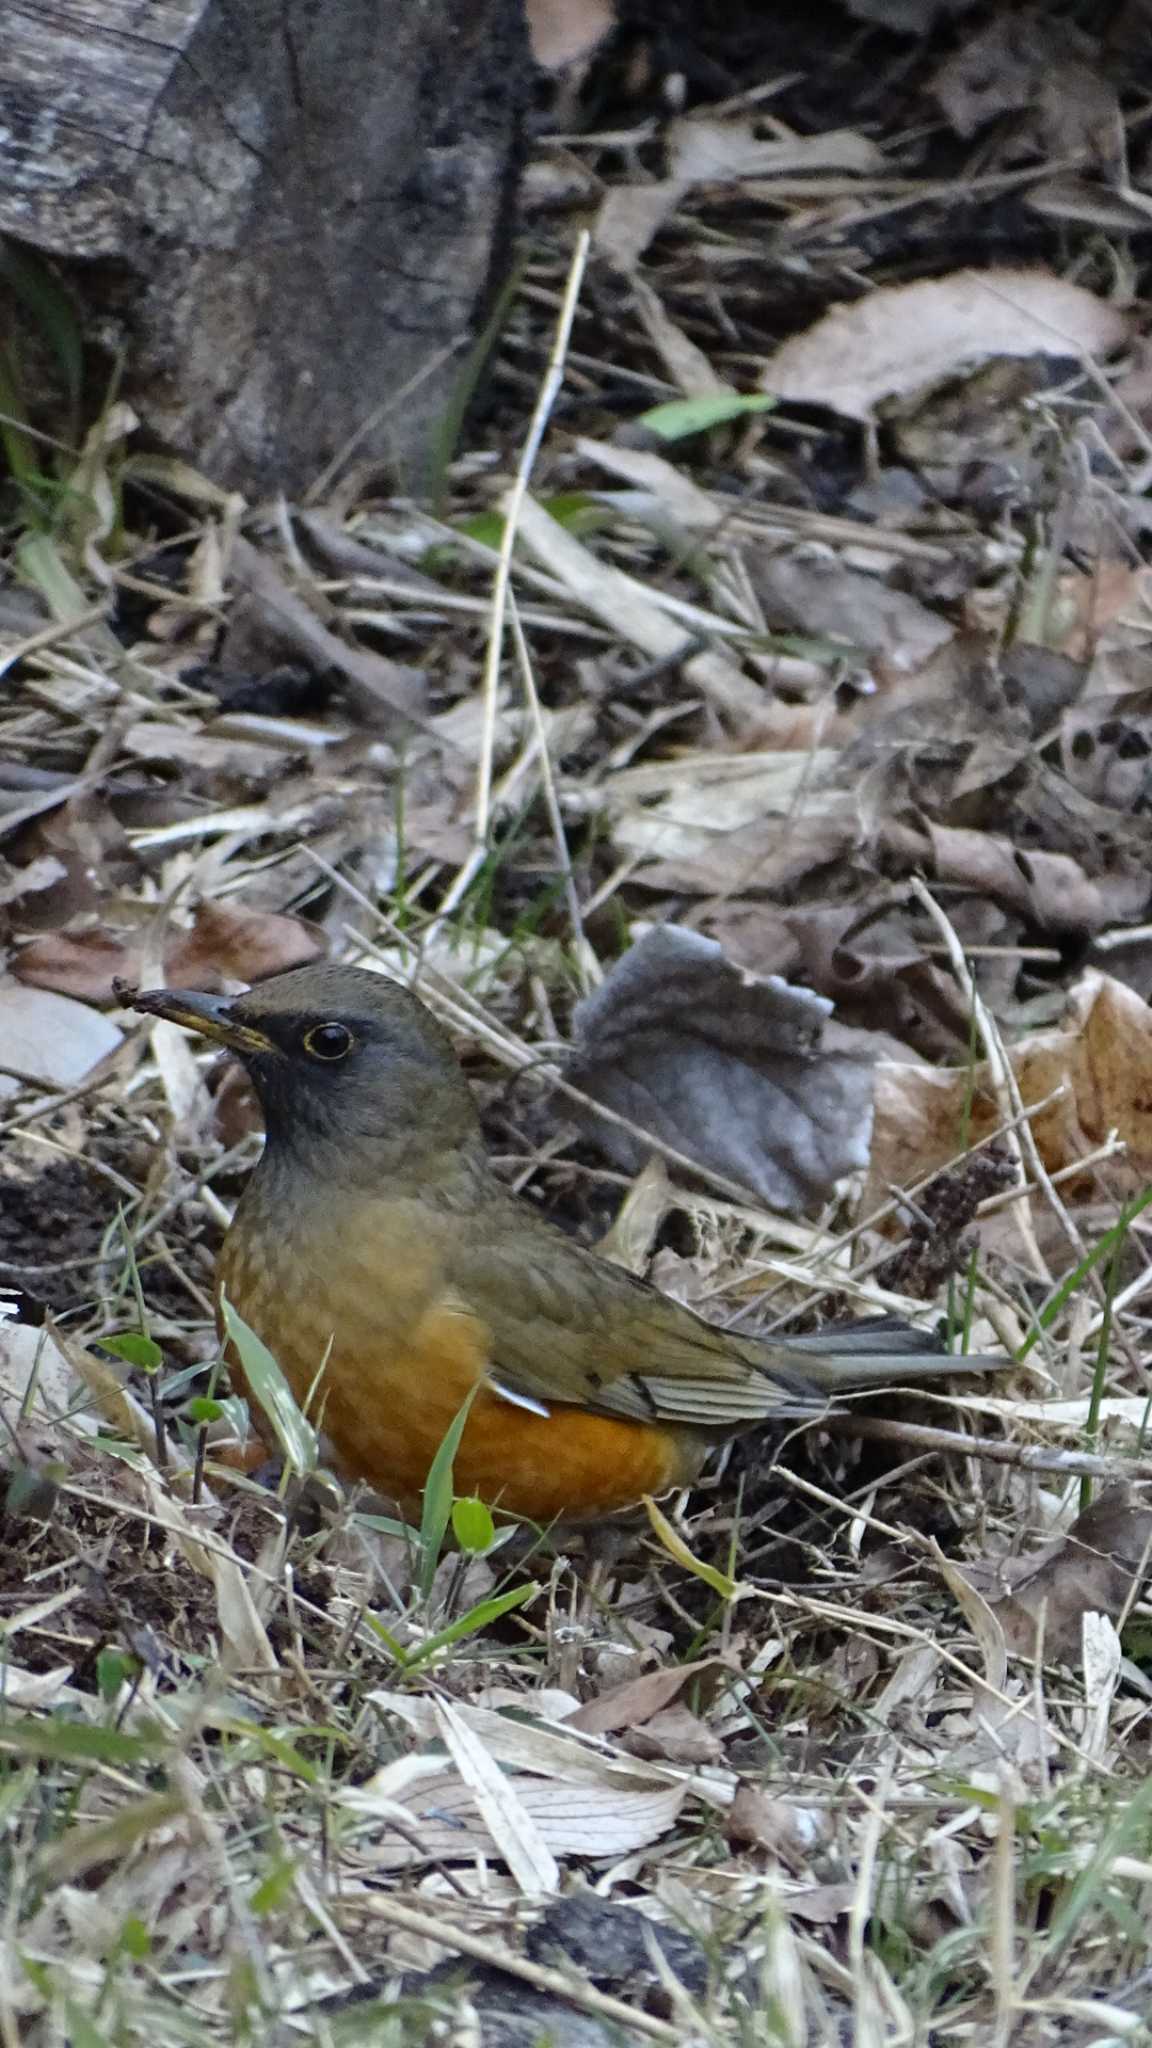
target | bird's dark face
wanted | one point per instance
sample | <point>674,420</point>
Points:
<point>341,1058</point>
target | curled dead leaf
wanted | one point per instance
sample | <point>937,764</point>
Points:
<point>1097,1567</point>
<point>636,1701</point>
<point>903,337</point>
<point>726,1069</point>
<point>1100,1056</point>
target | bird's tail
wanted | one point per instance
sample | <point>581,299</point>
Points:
<point>878,1353</point>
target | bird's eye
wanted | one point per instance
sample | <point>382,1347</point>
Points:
<point>328,1041</point>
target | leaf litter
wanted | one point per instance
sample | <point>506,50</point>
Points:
<point>817,857</point>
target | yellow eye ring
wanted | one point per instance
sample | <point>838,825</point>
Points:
<point>328,1041</point>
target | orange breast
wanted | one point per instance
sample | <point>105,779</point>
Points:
<point>394,1382</point>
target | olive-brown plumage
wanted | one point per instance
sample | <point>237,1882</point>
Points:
<point>390,1273</point>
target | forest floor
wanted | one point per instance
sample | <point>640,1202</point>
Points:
<point>782,615</point>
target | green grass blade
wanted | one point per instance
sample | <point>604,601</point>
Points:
<point>293,1432</point>
<point>1071,1281</point>
<point>438,1495</point>
<point>477,1618</point>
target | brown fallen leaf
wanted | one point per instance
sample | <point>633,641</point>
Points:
<point>1097,1567</point>
<point>675,1736</point>
<point>1106,746</point>
<point>82,964</point>
<point>863,956</point>
<point>1101,1054</point>
<point>902,337</point>
<point>727,1069</point>
<point>788,1831</point>
<point>1050,890</point>
<point>227,943</point>
<point>809,589</point>
<point>1028,63</point>
<point>636,1701</point>
<point>721,824</point>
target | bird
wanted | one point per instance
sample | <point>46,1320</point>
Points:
<point>392,1275</point>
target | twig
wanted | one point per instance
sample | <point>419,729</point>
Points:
<point>586,965</point>
<point>60,629</point>
<point>1020,1140</point>
<point>557,1983</point>
<point>549,391</point>
<point>994,1450</point>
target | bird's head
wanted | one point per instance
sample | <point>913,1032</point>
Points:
<point>349,1067</point>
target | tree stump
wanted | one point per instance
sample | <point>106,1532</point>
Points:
<point>287,216</point>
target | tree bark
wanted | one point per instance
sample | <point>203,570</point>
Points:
<point>288,216</point>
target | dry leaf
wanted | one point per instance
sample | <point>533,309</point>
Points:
<point>512,1828</point>
<point>727,1069</point>
<point>1042,68</point>
<point>564,32</point>
<point>571,1820</point>
<point>630,215</point>
<point>1101,1054</point>
<point>229,943</point>
<point>215,753</point>
<point>1095,1568</point>
<point>38,1389</point>
<point>808,589</point>
<point>579,1800</point>
<point>48,1038</point>
<point>670,492</point>
<point>903,337</point>
<point>638,1699</point>
<point>675,1736</point>
<point>790,1832</point>
<point>687,366</point>
<point>702,149</point>
<point>629,608</point>
<point>724,823</point>
<point>83,964</point>
<point>1102,1657</point>
<point>1049,890</point>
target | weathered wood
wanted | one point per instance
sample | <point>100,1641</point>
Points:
<point>287,212</point>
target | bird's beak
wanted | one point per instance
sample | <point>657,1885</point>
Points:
<point>212,1016</point>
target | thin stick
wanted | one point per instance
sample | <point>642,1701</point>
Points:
<point>1020,1140</point>
<point>549,392</point>
<point>60,629</point>
<point>889,1207</point>
<point>585,962</point>
<point>1028,1151</point>
<point>484,1949</point>
<point>992,1449</point>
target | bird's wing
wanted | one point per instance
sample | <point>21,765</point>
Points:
<point>567,1326</point>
